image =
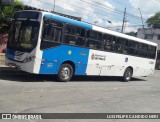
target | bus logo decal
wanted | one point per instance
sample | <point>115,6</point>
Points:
<point>69,52</point>
<point>126,60</point>
<point>92,57</point>
<point>98,57</point>
<point>50,65</point>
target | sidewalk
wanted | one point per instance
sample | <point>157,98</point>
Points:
<point>6,69</point>
<point>3,67</point>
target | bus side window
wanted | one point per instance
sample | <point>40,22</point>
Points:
<point>52,34</point>
<point>70,29</point>
<point>152,52</point>
<point>74,35</point>
<point>58,34</point>
<point>69,39</point>
<point>143,49</point>
<point>93,44</point>
<point>94,40</point>
<point>80,41</point>
<point>109,43</point>
<point>121,45</point>
<point>94,35</point>
<point>97,45</point>
<point>133,48</point>
<point>80,34</point>
<point>90,44</point>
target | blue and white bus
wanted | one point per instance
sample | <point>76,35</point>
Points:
<point>46,43</point>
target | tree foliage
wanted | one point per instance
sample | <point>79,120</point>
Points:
<point>154,20</point>
<point>7,13</point>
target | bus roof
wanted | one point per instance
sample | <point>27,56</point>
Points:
<point>100,29</point>
<point>95,28</point>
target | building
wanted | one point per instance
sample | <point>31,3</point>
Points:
<point>151,34</point>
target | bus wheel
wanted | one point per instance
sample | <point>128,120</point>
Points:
<point>127,75</point>
<point>65,73</point>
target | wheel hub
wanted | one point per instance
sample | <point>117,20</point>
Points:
<point>65,72</point>
<point>128,75</point>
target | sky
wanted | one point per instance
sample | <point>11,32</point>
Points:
<point>106,13</point>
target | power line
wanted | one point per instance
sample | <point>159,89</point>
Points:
<point>119,12</point>
<point>116,13</point>
<point>115,17</point>
<point>129,15</point>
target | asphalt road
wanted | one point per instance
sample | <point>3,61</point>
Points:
<point>27,93</point>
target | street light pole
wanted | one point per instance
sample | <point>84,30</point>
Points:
<point>141,18</point>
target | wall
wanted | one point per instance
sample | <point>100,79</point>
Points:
<point>155,32</point>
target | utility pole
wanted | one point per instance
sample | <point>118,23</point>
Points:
<point>124,18</point>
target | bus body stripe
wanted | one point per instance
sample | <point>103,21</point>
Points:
<point>67,20</point>
<point>53,58</point>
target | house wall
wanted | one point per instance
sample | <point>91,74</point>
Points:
<point>142,33</point>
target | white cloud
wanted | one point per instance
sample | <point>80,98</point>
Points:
<point>80,8</point>
<point>117,26</point>
<point>42,4</point>
<point>130,29</point>
<point>148,7</point>
<point>105,4</point>
<point>87,11</point>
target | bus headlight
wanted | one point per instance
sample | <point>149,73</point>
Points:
<point>29,59</point>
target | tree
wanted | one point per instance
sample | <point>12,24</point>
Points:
<point>154,20</point>
<point>7,13</point>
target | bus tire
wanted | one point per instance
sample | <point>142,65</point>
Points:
<point>65,73</point>
<point>127,75</point>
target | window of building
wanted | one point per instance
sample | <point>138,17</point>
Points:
<point>149,36</point>
<point>158,37</point>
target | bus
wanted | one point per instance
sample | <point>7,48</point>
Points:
<point>47,43</point>
<point>158,60</point>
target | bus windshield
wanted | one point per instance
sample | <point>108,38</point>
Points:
<point>23,35</point>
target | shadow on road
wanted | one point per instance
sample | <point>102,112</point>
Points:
<point>19,76</point>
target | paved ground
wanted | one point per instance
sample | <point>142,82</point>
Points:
<point>22,92</point>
